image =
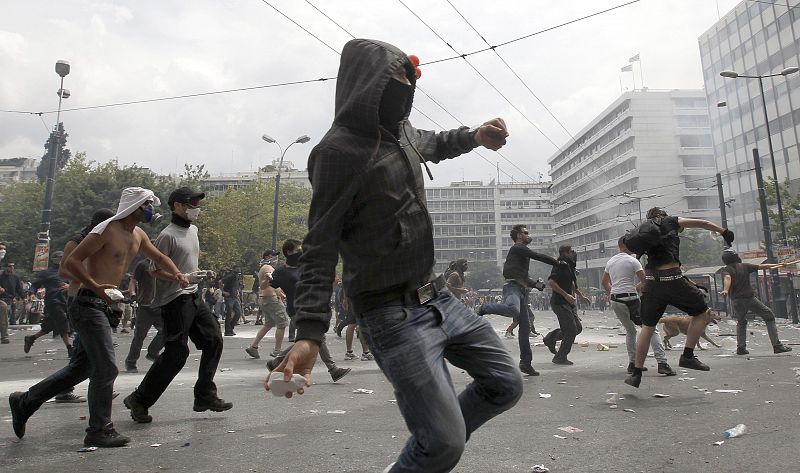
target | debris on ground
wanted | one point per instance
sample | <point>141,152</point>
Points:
<point>545,396</point>
<point>337,412</point>
<point>363,391</point>
<point>86,449</point>
<point>539,469</point>
<point>731,391</point>
<point>629,410</point>
<point>570,429</point>
<point>660,395</point>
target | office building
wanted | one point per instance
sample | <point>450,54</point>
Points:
<point>648,148</point>
<point>472,220</point>
<point>755,38</point>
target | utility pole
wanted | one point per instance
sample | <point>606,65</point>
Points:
<point>722,214</point>
<point>778,301</point>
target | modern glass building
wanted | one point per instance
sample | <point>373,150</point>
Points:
<point>755,38</point>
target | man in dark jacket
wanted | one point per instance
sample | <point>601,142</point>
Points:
<point>55,305</point>
<point>516,292</point>
<point>368,204</point>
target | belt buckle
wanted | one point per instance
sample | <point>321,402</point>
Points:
<point>426,293</point>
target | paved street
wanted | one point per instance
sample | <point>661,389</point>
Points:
<point>310,433</point>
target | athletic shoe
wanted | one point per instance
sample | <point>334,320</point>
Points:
<point>18,416</point>
<point>212,404</point>
<point>29,339</point>
<point>71,398</point>
<point>350,356</point>
<point>272,364</point>
<point>253,352</point>
<point>562,361</point>
<point>124,331</point>
<point>339,373</point>
<point>150,357</point>
<point>781,348</point>
<point>5,341</point>
<point>528,370</point>
<point>131,369</point>
<point>229,334</point>
<point>138,412</point>
<point>664,368</point>
<point>692,363</point>
<point>634,380</point>
<point>742,351</point>
<point>509,334</point>
<point>106,438</point>
<point>367,356</point>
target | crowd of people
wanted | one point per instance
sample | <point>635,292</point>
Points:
<point>368,211</point>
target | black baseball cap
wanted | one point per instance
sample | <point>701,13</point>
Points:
<point>186,195</point>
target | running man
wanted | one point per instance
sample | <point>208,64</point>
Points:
<point>107,251</point>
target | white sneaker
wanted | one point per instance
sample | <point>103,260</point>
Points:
<point>350,356</point>
<point>367,356</point>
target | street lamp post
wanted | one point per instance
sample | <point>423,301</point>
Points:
<point>777,292</point>
<point>269,139</point>
<point>42,254</point>
<point>786,72</point>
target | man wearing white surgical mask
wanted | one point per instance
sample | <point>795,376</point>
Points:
<point>185,315</point>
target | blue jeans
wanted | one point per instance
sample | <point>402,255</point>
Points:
<point>515,302</point>
<point>411,344</point>
<point>93,358</point>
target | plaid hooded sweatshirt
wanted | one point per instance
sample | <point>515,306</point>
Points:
<point>368,199</point>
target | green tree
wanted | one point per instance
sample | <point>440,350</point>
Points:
<point>699,248</point>
<point>82,187</point>
<point>64,154</point>
<point>193,176</point>
<point>791,212</point>
<point>236,227</point>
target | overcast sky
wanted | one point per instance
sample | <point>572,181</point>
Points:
<point>133,50</point>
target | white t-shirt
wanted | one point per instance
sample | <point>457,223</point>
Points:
<point>622,269</point>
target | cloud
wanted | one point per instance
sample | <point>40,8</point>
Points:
<point>145,50</point>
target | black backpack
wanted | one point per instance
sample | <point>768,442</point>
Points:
<point>648,235</point>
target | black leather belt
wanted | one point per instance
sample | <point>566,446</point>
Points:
<point>623,295</point>
<point>424,293</point>
<point>671,274</point>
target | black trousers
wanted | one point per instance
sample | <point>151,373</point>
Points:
<point>569,327</point>
<point>186,317</point>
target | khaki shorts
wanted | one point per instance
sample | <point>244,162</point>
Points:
<point>273,311</point>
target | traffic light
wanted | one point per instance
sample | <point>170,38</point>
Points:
<point>602,248</point>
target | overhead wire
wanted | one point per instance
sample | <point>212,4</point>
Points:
<point>241,89</point>
<point>481,75</point>
<point>430,97</point>
<point>551,28</point>
<point>502,59</point>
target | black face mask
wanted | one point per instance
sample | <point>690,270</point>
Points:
<point>292,260</point>
<point>393,104</point>
<point>528,240</point>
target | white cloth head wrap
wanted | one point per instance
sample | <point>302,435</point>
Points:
<point>132,198</point>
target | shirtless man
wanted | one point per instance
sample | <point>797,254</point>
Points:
<point>107,251</point>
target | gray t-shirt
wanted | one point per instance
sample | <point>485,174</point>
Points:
<point>181,245</point>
